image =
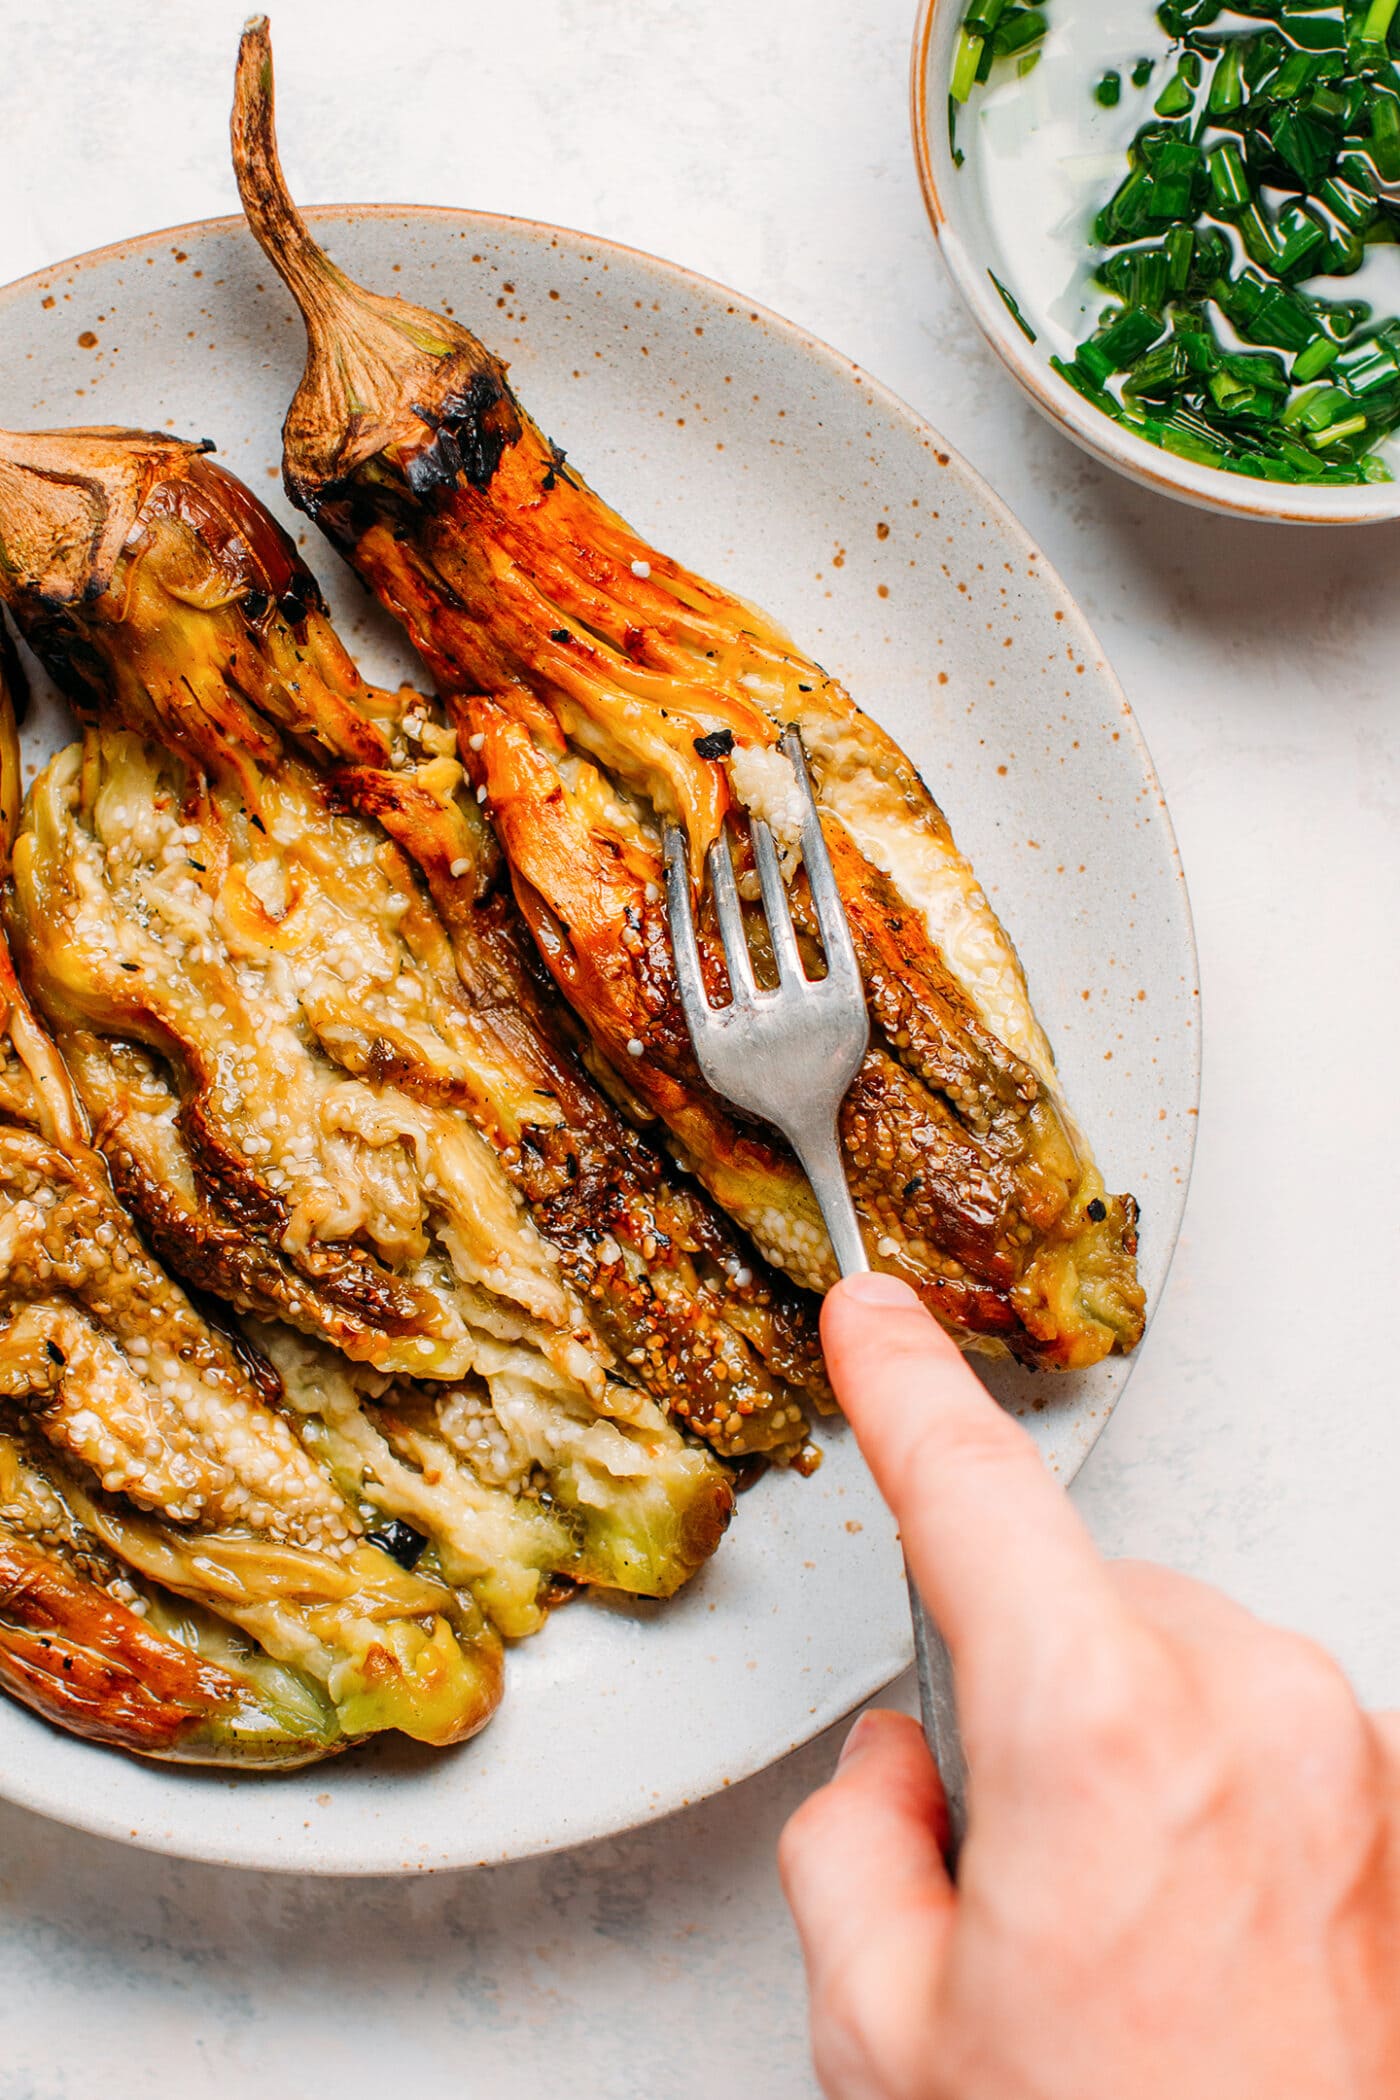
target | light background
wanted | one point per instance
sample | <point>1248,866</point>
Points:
<point>765,143</point>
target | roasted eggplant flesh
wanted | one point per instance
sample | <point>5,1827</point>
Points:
<point>311,1088</point>
<point>208,633</point>
<point>598,688</point>
<point>237,1077</point>
<point>178,1570</point>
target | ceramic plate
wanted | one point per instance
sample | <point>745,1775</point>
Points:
<point>761,457</point>
<point>1036,157</point>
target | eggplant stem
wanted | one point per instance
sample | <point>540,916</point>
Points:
<point>267,201</point>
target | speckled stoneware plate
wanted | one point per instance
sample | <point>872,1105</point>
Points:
<point>758,455</point>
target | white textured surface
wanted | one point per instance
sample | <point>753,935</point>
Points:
<point>765,141</point>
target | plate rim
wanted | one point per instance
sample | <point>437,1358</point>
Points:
<point>261,1855</point>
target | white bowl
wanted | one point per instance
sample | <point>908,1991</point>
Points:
<point>958,207</point>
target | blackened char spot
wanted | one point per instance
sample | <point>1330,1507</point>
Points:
<point>12,672</point>
<point>73,664</point>
<point>469,440</point>
<point>1097,1211</point>
<point>400,1541</point>
<point>718,743</point>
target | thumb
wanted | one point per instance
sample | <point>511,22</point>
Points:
<point>988,1533</point>
<point>863,1873</point>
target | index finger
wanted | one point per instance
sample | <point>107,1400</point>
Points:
<point>997,1551</point>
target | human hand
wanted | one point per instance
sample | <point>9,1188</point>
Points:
<point>1181,1879</point>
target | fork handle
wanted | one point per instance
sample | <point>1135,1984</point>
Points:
<point>820,1154</point>
<point>933,1666</point>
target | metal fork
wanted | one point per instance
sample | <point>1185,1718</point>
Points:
<point>788,1056</point>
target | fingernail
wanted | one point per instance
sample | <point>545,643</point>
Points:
<point>855,1740</point>
<point>874,1289</point>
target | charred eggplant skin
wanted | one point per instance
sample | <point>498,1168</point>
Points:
<point>88,1664</point>
<point>601,687</point>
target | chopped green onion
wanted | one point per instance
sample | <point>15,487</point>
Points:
<point>1266,139</point>
<point>1385,134</point>
<point>1227,86</point>
<point>1124,340</point>
<point>1019,31</point>
<point>1262,56</point>
<point>1376,27</point>
<point>1261,243</point>
<point>1076,373</point>
<point>1370,368</point>
<point>1314,361</point>
<point>1228,181</point>
<point>1176,98</point>
<point>1180,249</point>
<point>1304,144</point>
<point>1295,76</point>
<point>1180,17</point>
<point>1012,307</point>
<point>982,17</point>
<point>1192,440</point>
<point>1343,255</point>
<point>1139,277</point>
<point>1350,202</point>
<point>1160,372</point>
<point>967,57</point>
<point>1299,237</point>
<point>1315,410</point>
<point>1316,32</point>
<point>1350,426</point>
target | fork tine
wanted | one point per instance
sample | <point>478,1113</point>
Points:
<point>738,962</point>
<point>682,924</point>
<point>842,967</point>
<point>776,908</point>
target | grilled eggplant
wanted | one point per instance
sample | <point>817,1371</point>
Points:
<point>598,688</point>
<point>179,1574</point>
<point>271,1074</point>
<point>163,596</point>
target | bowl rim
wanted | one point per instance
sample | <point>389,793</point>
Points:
<point>1208,488</point>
